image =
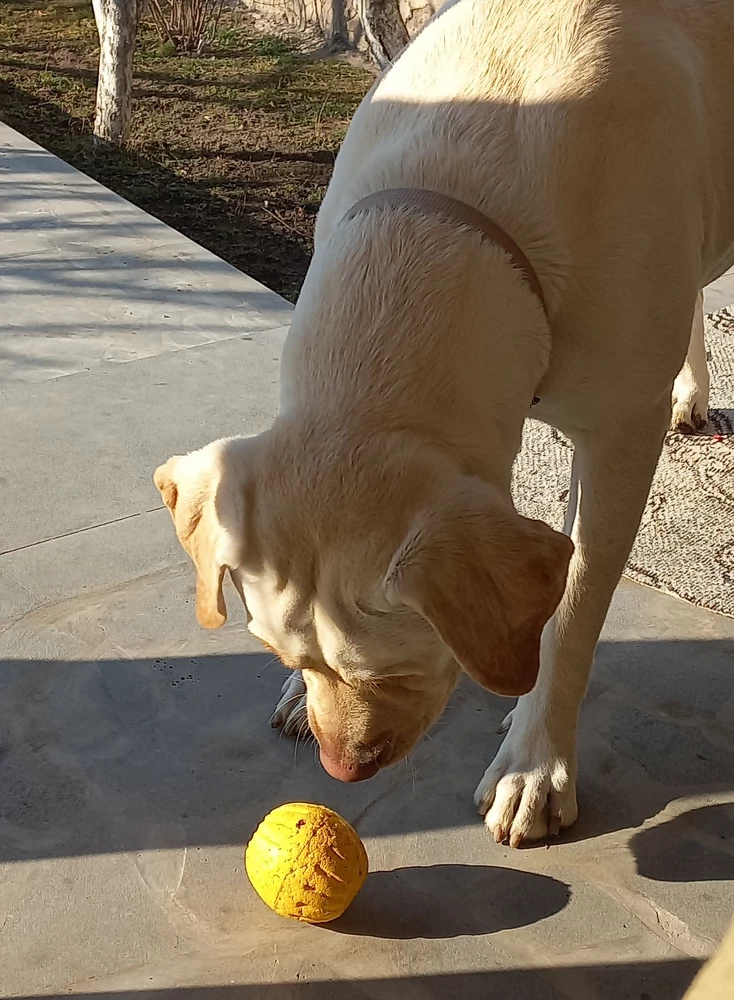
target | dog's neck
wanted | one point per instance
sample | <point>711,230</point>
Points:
<point>408,323</point>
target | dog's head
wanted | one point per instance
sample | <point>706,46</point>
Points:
<point>380,581</point>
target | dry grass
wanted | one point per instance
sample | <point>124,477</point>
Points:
<point>233,148</point>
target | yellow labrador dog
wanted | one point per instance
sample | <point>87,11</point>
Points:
<point>525,209</point>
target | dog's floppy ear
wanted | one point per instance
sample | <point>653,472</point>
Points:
<point>208,512</point>
<point>486,579</point>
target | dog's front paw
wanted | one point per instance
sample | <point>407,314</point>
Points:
<point>290,713</point>
<point>529,791</point>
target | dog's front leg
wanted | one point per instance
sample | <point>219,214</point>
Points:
<point>290,713</point>
<point>529,790</point>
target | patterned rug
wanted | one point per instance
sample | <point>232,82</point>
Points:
<point>685,545</point>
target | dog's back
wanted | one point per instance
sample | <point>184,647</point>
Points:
<point>583,105</point>
<point>601,137</point>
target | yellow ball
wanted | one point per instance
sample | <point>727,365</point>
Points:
<point>306,862</point>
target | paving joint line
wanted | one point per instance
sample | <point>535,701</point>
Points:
<point>78,531</point>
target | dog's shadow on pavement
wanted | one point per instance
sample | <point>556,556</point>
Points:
<point>444,901</point>
<point>695,846</point>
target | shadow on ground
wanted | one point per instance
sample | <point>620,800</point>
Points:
<point>697,846</point>
<point>632,981</point>
<point>227,223</point>
<point>398,903</point>
<point>174,751</point>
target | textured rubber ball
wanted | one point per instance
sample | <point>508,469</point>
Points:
<point>306,862</point>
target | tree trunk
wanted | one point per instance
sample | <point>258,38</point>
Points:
<point>98,17</point>
<point>384,29</point>
<point>117,23</point>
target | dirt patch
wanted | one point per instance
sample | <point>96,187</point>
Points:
<point>233,148</point>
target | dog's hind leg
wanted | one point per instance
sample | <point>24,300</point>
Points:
<point>691,387</point>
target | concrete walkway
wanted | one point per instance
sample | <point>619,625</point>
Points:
<point>135,754</point>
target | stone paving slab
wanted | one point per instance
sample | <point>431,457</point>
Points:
<point>109,429</point>
<point>89,279</point>
<point>135,753</point>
